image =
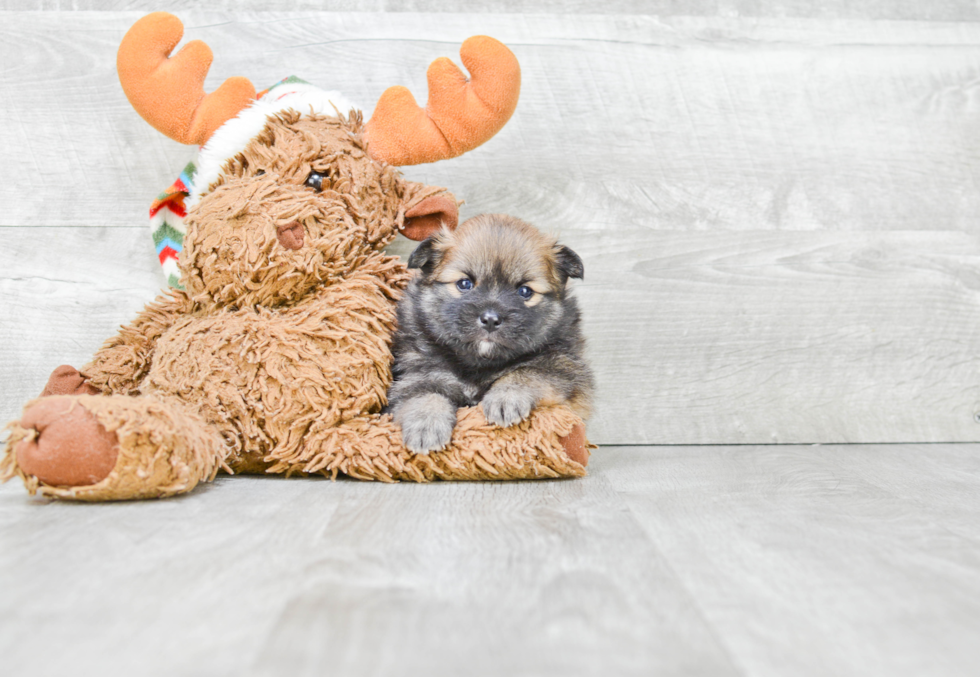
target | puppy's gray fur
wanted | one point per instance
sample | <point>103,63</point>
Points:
<point>488,320</point>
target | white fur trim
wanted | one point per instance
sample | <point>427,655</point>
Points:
<point>232,137</point>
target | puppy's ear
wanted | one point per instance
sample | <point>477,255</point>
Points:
<point>568,264</point>
<point>426,255</point>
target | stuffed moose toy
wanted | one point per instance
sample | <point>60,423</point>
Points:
<point>272,352</point>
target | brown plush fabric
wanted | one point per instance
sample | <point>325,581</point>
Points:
<point>277,357</point>
<point>165,451</point>
<point>122,363</point>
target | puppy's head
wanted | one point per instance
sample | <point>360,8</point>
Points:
<point>493,289</point>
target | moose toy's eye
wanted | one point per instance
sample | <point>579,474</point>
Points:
<point>315,180</point>
<point>464,284</point>
<point>525,292</point>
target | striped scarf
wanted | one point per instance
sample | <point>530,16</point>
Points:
<point>167,214</point>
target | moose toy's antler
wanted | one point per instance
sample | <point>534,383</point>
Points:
<point>461,114</point>
<point>169,92</point>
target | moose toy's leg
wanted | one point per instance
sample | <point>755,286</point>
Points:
<point>65,444</point>
<point>551,443</point>
<point>93,447</point>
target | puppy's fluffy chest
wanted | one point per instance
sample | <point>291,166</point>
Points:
<point>472,378</point>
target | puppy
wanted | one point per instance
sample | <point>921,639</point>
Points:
<point>487,321</point>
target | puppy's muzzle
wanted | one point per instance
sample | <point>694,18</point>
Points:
<point>490,320</point>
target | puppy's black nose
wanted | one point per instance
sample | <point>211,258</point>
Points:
<point>489,320</point>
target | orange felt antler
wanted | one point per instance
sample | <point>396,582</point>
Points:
<point>461,114</point>
<point>169,92</point>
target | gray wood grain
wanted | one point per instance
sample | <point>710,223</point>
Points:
<point>783,337</point>
<point>281,577</point>
<point>746,337</point>
<point>777,215</point>
<point>752,561</point>
<point>849,560</point>
<point>63,292</point>
<point>493,580</point>
<point>908,10</point>
<point>677,123</point>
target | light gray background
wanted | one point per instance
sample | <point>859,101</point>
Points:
<point>776,213</point>
<point>776,202</point>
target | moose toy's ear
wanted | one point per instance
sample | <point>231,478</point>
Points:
<point>430,215</point>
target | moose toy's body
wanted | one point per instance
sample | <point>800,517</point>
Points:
<point>274,357</point>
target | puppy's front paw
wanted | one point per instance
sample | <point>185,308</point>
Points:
<point>427,422</point>
<point>505,405</point>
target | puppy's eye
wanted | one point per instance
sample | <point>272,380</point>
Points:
<point>315,180</point>
<point>464,284</point>
<point>260,172</point>
<point>525,292</point>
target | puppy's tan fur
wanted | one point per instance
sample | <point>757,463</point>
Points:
<point>489,320</point>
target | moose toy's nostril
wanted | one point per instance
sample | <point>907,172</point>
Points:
<point>489,320</point>
<point>291,235</point>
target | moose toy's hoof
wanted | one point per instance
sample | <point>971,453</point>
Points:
<point>576,445</point>
<point>66,380</point>
<point>68,446</point>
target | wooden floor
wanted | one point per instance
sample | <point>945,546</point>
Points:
<point>746,560</point>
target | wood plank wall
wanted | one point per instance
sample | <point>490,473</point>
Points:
<point>777,205</point>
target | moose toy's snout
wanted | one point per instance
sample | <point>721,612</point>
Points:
<point>291,235</point>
